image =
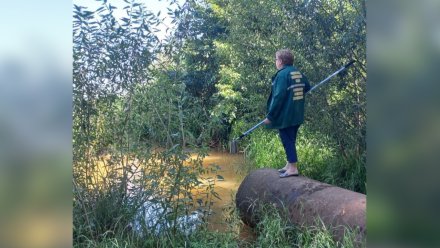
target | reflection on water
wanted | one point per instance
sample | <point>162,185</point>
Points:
<point>231,174</point>
<point>227,179</point>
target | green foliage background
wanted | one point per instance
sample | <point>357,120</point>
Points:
<point>138,98</point>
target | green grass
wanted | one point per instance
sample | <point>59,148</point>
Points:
<point>200,239</point>
<point>266,150</point>
<point>349,173</point>
<point>273,230</point>
<point>317,158</point>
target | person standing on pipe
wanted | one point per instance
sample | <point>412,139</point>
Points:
<point>285,107</point>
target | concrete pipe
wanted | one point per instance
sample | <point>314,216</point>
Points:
<point>305,200</point>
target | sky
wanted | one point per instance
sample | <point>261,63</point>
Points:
<point>153,5</point>
<point>30,27</point>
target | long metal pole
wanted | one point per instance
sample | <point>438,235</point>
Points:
<point>314,87</point>
<point>334,74</point>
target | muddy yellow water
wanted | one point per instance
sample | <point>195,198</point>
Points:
<point>227,179</point>
<point>231,172</point>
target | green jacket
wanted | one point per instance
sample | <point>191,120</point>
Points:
<point>285,105</point>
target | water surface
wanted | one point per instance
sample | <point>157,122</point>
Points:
<point>231,172</point>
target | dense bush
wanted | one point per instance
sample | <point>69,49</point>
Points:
<point>142,106</point>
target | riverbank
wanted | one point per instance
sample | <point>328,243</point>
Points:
<point>223,226</point>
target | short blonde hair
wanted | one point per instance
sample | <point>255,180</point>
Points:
<point>285,55</point>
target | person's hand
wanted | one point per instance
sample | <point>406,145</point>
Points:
<point>266,121</point>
